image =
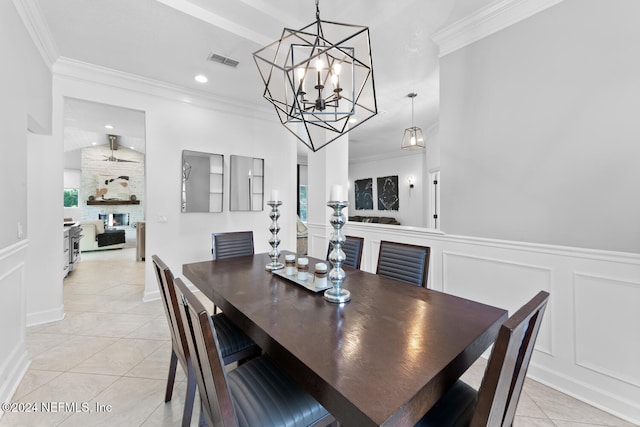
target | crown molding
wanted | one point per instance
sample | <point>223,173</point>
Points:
<point>96,74</point>
<point>36,26</point>
<point>486,21</point>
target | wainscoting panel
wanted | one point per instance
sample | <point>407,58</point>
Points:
<point>602,341</point>
<point>498,282</point>
<point>13,351</point>
<point>589,344</point>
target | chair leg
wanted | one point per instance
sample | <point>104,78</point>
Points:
<point>202,422</point>
<point>189,399</point>
<point>172,376</point>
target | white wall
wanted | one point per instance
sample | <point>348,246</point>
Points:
<point>43,276</point>
<point>171,126</point>
<point>25,85</point>
<point>539,130</point>
<point>412,208</point>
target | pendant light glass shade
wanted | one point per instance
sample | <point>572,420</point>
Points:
<point>413,137</point>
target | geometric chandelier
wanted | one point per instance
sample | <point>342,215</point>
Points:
<point>319,79</point>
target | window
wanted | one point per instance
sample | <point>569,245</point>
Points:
<point>70,197</point>
<point>302,199</point>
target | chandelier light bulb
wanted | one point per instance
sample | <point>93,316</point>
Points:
<point>319,64</point>
<point>337,67</point>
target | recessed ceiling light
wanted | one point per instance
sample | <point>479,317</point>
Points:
<point>201,78</point>
<point>94,143</point>
<point>132,147</point>
<point>108,126</point>
<point>353,120</point>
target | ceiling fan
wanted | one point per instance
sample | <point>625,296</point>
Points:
<point>113,144</point>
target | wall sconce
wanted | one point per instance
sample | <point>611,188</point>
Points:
<point>410,181</point>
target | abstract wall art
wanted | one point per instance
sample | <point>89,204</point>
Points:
<point>364,193</point>
<point>388,193</point>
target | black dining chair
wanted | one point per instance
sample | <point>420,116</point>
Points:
<point>231,244</point>
<point>256,393</point>
<point>352,249</point>
<point>497,399</point>
<point>235,345</point>
<point>409,263</point>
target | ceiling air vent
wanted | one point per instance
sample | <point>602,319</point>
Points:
<point>214,57</point>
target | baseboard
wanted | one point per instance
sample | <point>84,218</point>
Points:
<point>617,405</point>
<point>45,316</point>
<point>12,373</point>
<point>151,296</point>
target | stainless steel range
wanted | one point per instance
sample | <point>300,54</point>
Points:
<point>75,234</point>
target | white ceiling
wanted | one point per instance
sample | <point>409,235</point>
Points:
<point>170,40</point>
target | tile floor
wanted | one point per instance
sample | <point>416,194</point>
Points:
<point>111,352</point>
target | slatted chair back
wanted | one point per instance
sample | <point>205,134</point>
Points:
<point>217,406</point>
<point>352,249</point>
<point>179,348</point>
<point>232,244</point>
<point>409,263</point>
<point>171,307</point>
<point>507,367</point>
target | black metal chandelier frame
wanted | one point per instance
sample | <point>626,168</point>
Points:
<point>336,96</point>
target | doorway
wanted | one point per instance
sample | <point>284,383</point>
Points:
<point>104,166</point>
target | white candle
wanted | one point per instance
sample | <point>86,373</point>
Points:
<point>337,193</point>
<point>275,196</point>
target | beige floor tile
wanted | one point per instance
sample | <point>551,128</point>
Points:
<point>61,397</point>
<point>521,421</point>
<point>157,329</point>
<point>32,380</point>
<point>70,353</point>
<point>131,401</point>
<point>119,357</point>
<point>560,407</point>
<point>151,308</point>
<point>156,365</point>
<point>170,414</point>
<point>528,408</point>
<point>38,343</point>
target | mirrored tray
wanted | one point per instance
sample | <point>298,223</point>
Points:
<point>308,284</point>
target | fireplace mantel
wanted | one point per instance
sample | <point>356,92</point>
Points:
<point>112,202</point>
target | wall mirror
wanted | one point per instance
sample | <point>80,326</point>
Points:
<point>202,181</point>
<point>247,184</point>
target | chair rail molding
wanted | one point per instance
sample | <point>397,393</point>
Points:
<point>486,21</point>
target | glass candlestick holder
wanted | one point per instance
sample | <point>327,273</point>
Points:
<point>337,275</point>
<point>274,241</point>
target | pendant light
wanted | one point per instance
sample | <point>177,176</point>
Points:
<point>412,138</point>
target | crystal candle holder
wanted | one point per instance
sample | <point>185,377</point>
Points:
<point>274,241</point>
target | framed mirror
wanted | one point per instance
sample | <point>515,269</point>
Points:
<point>247,184</point>
<point>202,181</point>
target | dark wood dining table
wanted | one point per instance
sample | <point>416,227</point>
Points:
<point>384,358</point>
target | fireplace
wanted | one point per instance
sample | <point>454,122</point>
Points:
<point>114,219</point>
